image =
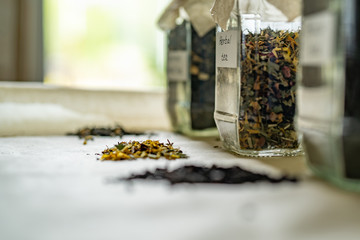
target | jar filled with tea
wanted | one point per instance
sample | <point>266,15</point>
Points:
<point>257,51</point>
<point>190,66</point>
<point>329,90</point>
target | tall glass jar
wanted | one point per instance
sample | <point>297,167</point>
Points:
<point>256,68</point>
<point>191,67</point>
<point>329,90</point>
<point>191,80</point>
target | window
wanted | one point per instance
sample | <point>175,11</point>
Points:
<point>103,43</point>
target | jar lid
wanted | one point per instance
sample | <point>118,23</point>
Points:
<point>197,12</point>
<point>269,10</point>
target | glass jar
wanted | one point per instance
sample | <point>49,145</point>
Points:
<point>329,90</point>
<point>191,80</point>
<point>256,68</point>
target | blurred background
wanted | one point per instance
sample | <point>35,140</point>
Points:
<point>83,43</point>
<point>68,64</point>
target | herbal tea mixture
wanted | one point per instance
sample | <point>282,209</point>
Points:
<point>148,148</point>
<point>268,96</point>
<point>213,174</point>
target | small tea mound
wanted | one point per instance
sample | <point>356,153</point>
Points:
<point>88,133</point>
<point>214,174</point>
<point>148,148</point>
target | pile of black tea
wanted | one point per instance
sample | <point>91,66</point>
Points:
<point>268,90</point>
<point>213,174</point>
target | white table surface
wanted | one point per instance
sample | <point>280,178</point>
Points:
<point>52,187</point>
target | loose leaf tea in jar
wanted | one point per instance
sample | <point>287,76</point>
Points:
<point>256,89</point>
<point>267,97</point>
<point>190,66</point>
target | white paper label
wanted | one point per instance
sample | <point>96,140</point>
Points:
<point>227,49</point>
<point>178,65</point>
<point>317,38</point>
